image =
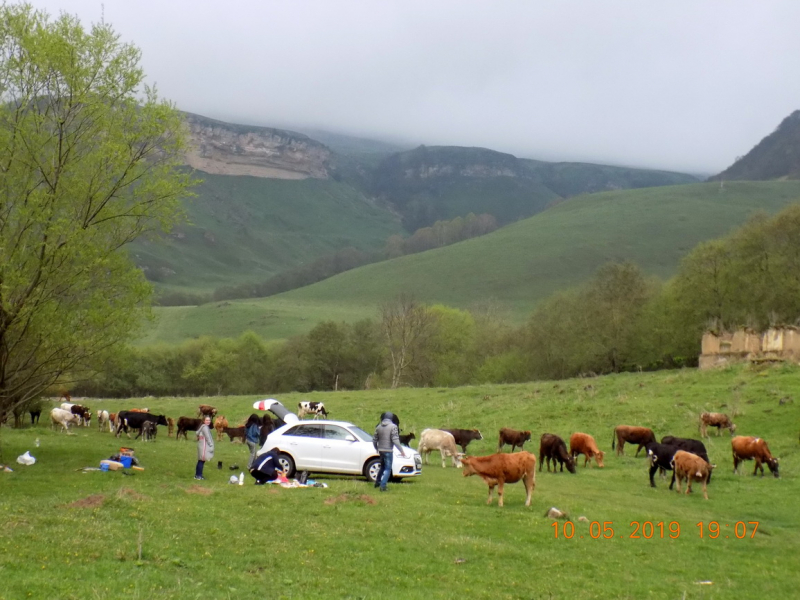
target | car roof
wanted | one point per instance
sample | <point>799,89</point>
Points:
<point>321,422</point>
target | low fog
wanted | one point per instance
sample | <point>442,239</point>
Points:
<point>682,85</point>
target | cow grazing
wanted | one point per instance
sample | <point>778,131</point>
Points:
<point>235,433</point>
<point>749,448</point>
<point>583,443</point>
<point>84,415</point>
<point>135,420</point>
<point>632,435</point>
<point>35,414</point>
<point>186,424</point>
<point>499,469</point>
<point>206,410</point>
<point>719,420</point>
<point>512,437</point>
<point>170,426</point>
<point>464,436</point>
<point>149,431</point>
<point>553,447</point>
<point>660,457</point>
<point>436,439</point>
<point>104,420</point>
<point>689,445</point>
<point>405,438</point>
<point>59,416</point>
<point>311,408</point>
<point>221,424</point>
<point>692,468</point>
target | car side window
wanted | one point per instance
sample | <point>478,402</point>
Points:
<point>334,432</point>
<point>304,431</point>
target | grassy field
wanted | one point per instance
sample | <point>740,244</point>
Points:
<point>517,266</point>
<point>158,534</point>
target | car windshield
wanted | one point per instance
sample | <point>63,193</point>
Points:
<point>361,434</point>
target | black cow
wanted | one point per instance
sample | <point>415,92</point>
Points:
<point>405,438</point>
<point>135,420</point>
<point>660,457</point>
<point>464,436</point>
<point>553,447</point>
<point>689,445</point>
<point>185,424</point>
<point>35,414</point>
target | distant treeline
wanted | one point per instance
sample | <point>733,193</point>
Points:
<point>620,320</point>
<point>442,233</point>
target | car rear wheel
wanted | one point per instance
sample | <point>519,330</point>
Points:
<point>371,469</point>
<point>286,463</point>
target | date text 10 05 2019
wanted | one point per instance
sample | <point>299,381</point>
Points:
<point>658,530</point>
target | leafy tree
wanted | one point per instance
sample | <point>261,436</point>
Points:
<point>89,161</point>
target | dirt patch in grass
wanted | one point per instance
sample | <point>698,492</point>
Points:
<point>363,498</point>
<point>93,501</point>
<point>199,489</point>
<point>132,494</point>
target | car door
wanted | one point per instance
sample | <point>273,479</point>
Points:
<point>304,443</point>
<point>342,452</point>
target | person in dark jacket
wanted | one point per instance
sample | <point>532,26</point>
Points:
<point>252,434</point>
<point>265,467</point>
<point>386,438</point>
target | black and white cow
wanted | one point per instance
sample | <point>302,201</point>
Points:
<point>311,408</point>
<point>135,420</point>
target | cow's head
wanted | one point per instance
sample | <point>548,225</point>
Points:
<point>467,466</point>
<point>772,463</point>
<point>162,420</point>
<point>598,457</point>
<point>570,464</point>
<point>526,436</point>
<point>733,428</point>
<point>478,433</point>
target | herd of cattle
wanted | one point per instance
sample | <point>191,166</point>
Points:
<point>686,458</point>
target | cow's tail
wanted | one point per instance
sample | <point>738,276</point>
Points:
<point>614,439</point>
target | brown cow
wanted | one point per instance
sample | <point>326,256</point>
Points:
<point>170,426</point>
<point>513,437</point>
<point>235,432</point>
<point>719,420</point>
<point>499,469</point>
<point>583,443</point>
<point>553,447</point>
<point>632,435</point>
<point>691,467</point>
<point>206,410</point>
<point>464,436</point>
<point>220,424</point>
<point>144,410</point>
<point>186,424</point>
<point>747,448</point>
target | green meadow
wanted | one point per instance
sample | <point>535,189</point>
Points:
<point>515,267</point>
<point>160,534</point>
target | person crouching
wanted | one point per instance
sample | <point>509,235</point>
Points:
<point>265,467</point>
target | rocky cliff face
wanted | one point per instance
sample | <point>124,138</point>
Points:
<point>229,149</point>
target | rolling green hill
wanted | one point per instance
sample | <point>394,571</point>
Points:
<point>517,266</point>
<point>249,228</point>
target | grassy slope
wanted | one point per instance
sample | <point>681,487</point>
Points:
<point>517,265</point>
<point>433,537</point>
<point>250,228</point>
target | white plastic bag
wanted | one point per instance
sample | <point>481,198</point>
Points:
<point>26,459</point>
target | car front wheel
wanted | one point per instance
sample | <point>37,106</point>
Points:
<point>286,463</point>
<point>372,468</point>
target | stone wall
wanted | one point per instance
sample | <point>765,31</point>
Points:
<point>746,345</point>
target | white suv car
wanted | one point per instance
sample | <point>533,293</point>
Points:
<point>335,447</point>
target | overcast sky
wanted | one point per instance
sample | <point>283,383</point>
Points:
<point>682,85</point>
